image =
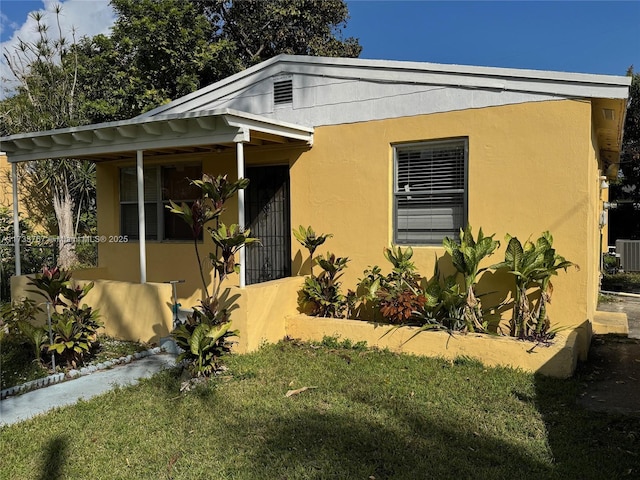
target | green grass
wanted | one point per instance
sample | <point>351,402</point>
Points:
<point>17,365</point>
<point>373,415</point>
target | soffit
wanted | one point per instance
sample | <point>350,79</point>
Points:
<point>608,122</point>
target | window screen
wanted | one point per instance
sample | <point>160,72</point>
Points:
<point>429,191</point>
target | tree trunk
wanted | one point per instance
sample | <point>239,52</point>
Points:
<point>63,207</point>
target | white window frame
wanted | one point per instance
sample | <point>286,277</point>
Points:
<point>430,193</point>
<point>159,203</point>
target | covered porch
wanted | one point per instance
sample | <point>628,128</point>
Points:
<point>132,271</point>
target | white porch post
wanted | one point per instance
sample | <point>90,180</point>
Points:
<point>142,234</point>
<point>16,218</point>
<point>240,161</point>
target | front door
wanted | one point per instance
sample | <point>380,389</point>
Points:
<point>267,215</point>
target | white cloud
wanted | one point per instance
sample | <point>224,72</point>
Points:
<point>5,22</point>
<point>86,17</point>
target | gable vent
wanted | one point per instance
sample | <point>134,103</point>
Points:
<point>283,92</point>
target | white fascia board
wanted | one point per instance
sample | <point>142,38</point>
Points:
<point>217,86</point>
<point>131,146</point>
<point>226,125</point>
<point>235,118</point>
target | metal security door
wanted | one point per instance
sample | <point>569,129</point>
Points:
<point>267,214</point>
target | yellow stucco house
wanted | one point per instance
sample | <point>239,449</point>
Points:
<point>378,153</point>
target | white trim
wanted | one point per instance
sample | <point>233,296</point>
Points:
<point>175,130</point>
<point>389,71</point>
<point>142,234</point>
<point>16,219</point>
<point>241,220</point>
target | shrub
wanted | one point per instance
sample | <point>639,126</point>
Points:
<point>532,265</point>
<point>398,295</point>
<point>322,295</point>
<point>204,337</point>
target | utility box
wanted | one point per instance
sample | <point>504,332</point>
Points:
<point>629,251</point>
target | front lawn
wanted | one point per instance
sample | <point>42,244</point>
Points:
<point>372,415</point>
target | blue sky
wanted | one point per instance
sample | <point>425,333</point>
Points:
<point>578,36</point>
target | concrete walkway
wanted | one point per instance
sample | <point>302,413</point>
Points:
<point>22,407</point>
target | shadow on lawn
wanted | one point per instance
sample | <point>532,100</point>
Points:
<point>586,444</point>
<point>53,458</point>
<point>326,445</point>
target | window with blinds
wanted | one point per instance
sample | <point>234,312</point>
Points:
<point>161,184</point>
<point>429,191</point>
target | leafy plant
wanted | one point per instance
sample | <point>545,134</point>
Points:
<point>229,240</point>
<point>74,327</point>
<point>533,265</point>
<point>36,337</point>
<point>204,336</point>
<point>322,294</point>
<point>445,303</point>
<point>70,340</point>
<point>400,307</point>
<point>52,284</point>
<point>215,193</point>
<point>12,313</point>
<point>310,240</point>
<point>398,295</point>
<point>466,256</point>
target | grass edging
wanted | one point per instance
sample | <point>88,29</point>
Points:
<point>71,374</point>
<point>558,359</point>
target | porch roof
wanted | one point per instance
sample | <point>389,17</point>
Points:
<point>170,134</point>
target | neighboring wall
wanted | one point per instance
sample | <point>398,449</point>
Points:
<point>128,311</point>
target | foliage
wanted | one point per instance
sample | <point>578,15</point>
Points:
<point>310,240</point>
<point>397,295</point>
<point>402,297</point>
<point>51,284</point>
<point>216,191</point>
<point>204,336</point>
<point>532,265</point>
<point>160,50</point>
<point>16,311</point>
<point>322,294</point>
<point>400,307</point>
<point>16,319</point>
<point>466,256</point>
<point>33,257</point>
<point>17,365</point>
<point>625,220</point>
<point>229,240</point>
<point>622,282</point>
<point>260,30</point>
<point>69,341</point>
<point>47,97</point>
<point>445,303</point>
<point>74,327</point>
